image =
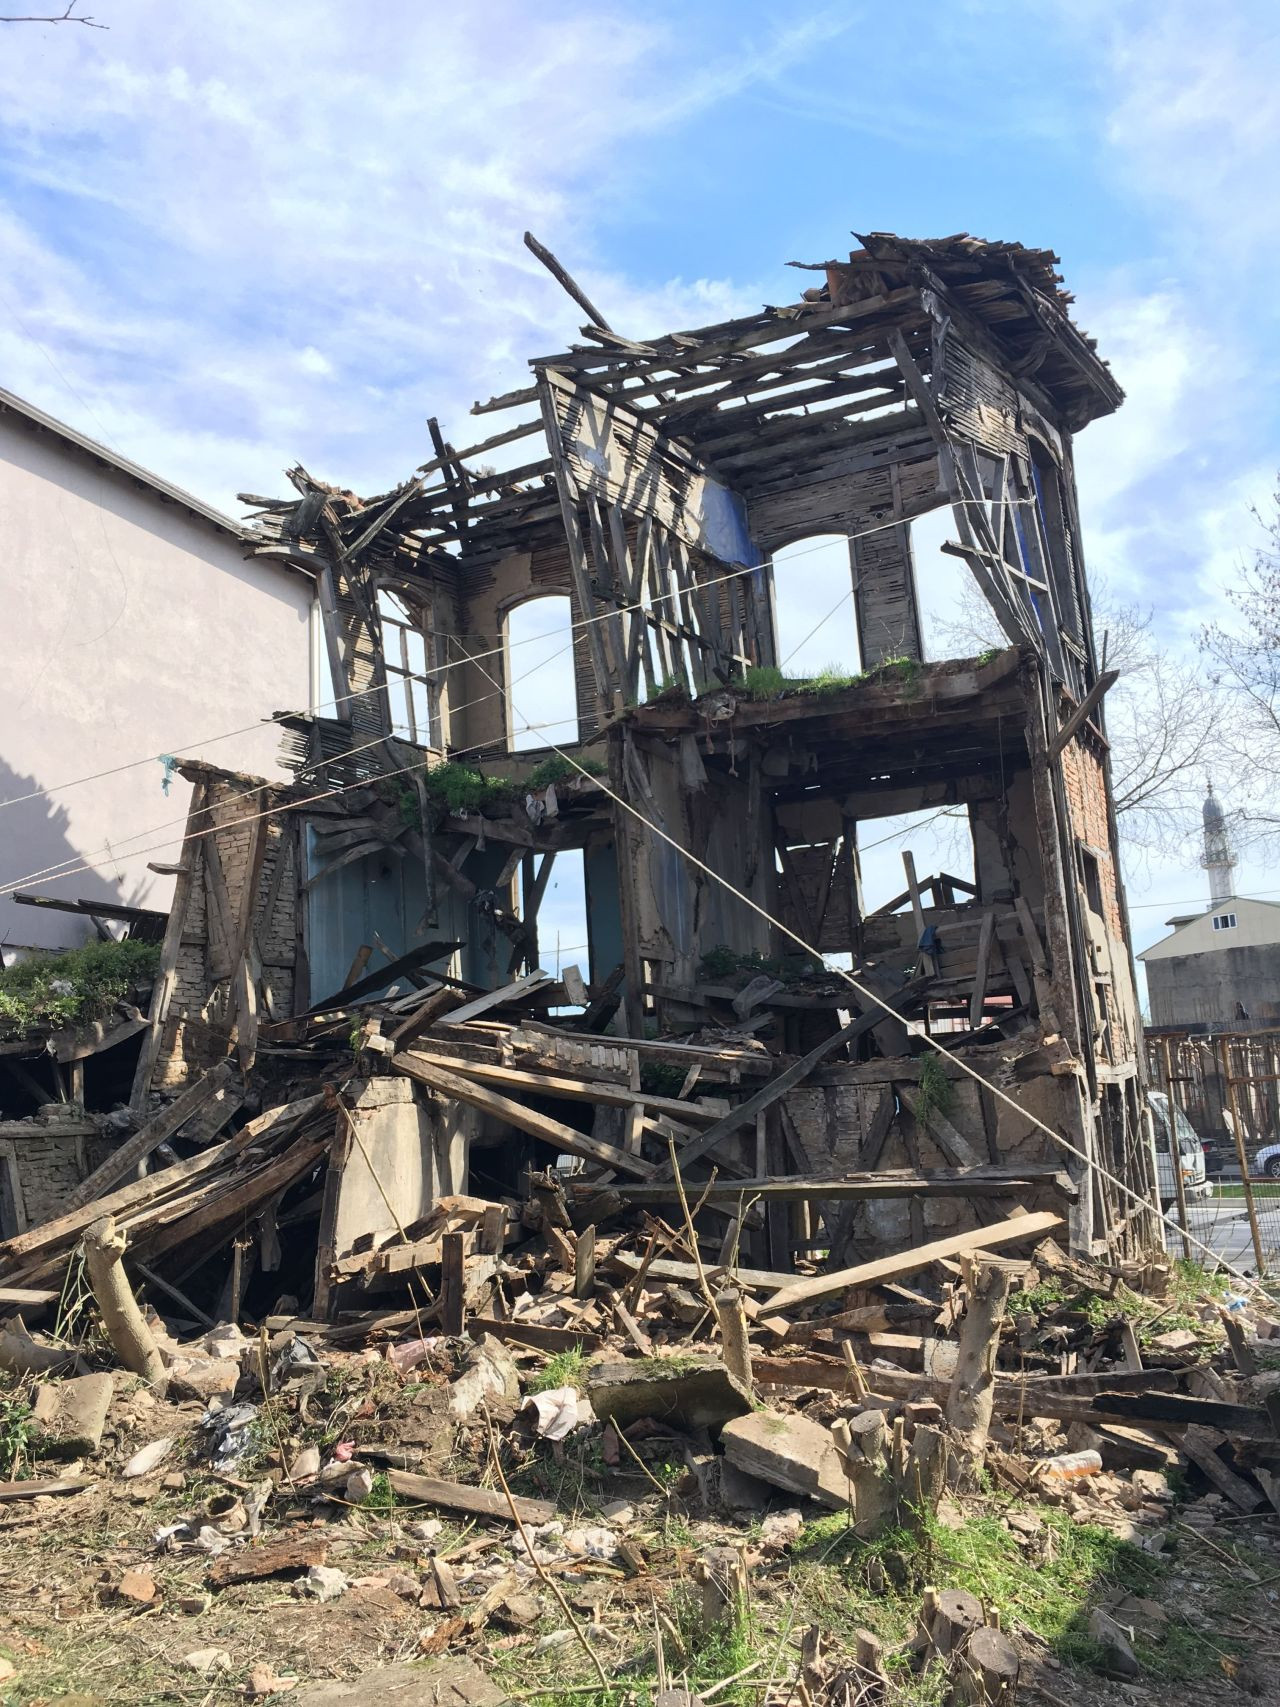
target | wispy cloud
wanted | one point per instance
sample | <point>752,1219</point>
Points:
<point>246,243</point>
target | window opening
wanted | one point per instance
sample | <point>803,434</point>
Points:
<point>542,691</point>
<point>1224,921</point>
<point>813,608</point>
<point>404,651</point>
<point>1091,873</point>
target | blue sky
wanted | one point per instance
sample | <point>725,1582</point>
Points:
<point>233,237</point>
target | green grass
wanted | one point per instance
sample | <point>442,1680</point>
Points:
<point>16,1431</point>
<point>89,980</point>
<point>1050,1589</point>
<point>565,1369</point>
<point>1229,1188</point>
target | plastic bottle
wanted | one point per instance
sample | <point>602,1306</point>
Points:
<point>1070,1466</point>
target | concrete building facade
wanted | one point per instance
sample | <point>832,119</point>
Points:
<point>137,624</point>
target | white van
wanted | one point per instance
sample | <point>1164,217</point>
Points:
<point>1171,1124</point>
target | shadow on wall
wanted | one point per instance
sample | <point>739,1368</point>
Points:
<point>33,836</point>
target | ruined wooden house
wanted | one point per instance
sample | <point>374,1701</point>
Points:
<point>717,807</point>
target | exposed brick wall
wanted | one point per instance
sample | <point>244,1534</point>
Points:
<point>195,1035</point>
<point>50,1158</point>
<point>1087,802</point>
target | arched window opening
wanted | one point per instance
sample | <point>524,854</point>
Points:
<point>813,608</point>
<point>542,691</point>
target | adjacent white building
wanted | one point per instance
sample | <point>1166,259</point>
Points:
<point>1218,969</point>
<point>135,624</point>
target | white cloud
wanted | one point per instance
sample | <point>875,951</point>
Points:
<point>246,242</point>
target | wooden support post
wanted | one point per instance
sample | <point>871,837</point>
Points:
<point>1180,1185</point>
<point>1237,1127</point>
<point>493,1230</point>
<point>453,1284</point>
<point>927,964</point>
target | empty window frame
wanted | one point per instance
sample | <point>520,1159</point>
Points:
<point>813,608</point>
<point>1091,875</point>
<point>542,689</point>
<point>404,650</point>
<point>1224,921</point>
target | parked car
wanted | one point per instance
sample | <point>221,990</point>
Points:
<point>1174,1130</point>
<point>1267,1161</point>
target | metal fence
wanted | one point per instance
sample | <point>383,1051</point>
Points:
<point>1227,1085</point>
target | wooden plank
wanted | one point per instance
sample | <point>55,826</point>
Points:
<point>166,972</point>
<point>136,1149</point>
<point>910,1262</point>
<point>978,1181</point>
<point>35,1489</point>
<point>979,993</point>
<point>26,1298</point>
<point>553,1132</point>
<point>1201,1444</point>
<point>755,1279</point>
<point>576,1090</point>
<point>954,1146</point>
<point>453,1284</point>
<point>140,1193</point>
<point>526,986</point>
<point>539,1335</point>
<point>475,1502</point>
<point>799,1070</point>
<point>1106,680</point>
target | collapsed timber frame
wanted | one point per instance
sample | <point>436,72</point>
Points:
<point>717,805</point>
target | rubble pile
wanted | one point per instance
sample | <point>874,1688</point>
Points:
<point>584,1443</point>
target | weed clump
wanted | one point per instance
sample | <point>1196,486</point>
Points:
<point>72,988</point>
<point>565,1369</point>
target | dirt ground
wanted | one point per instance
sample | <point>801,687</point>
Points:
<point>1198,1588</point>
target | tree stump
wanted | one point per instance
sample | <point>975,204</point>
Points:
<point>122,1321</point>
<point>973,1384</point>
<point>732,1318</point>
<point>861,1443</point>
<point>986,1671</point>
<point>720,1577</point>
<point>947,1620</point>
<point>924,1475</point>
<point>981,1663</point>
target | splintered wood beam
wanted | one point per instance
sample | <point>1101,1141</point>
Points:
<point>553,1132</point>
<point>566,280</point>
<point>1105,681</point>
<point>1017,1227</point>
<point>768,1094</point>
<point>121,1161</point>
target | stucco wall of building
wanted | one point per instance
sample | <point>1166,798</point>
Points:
<point>1191,989</point>
<point>132,627</point>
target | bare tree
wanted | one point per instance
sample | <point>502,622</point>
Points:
<point>1163,720</point>
<point>70,16</point>
<point>1243,658</point>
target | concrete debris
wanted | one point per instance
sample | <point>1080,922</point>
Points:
<point>324,1582</point>
<point>208,1662</point>
<point>148,1458</point>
